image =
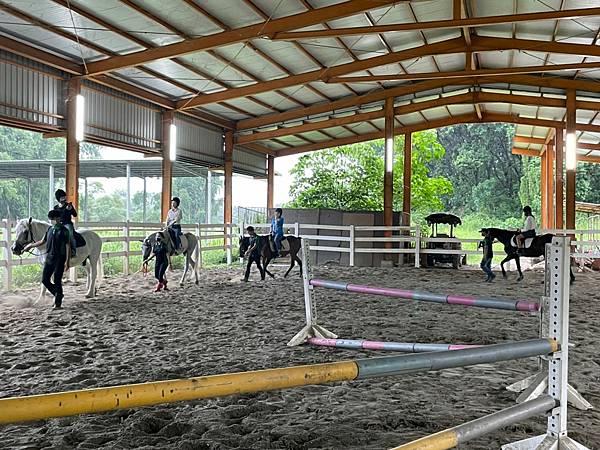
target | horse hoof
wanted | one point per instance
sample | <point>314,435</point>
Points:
<point>196,282</point>
<point>520,279</point>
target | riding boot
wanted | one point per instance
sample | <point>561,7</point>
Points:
<point>164,283</point>
<point>159,286</point>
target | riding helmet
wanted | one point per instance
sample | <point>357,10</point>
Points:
<point>59,193</point>
<point>176,200</point>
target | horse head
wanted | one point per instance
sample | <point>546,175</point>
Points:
<point>24,231</point>
<point>244,245</point>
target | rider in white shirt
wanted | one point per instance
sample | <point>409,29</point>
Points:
<point>174,223</point>
<point>528,230</point>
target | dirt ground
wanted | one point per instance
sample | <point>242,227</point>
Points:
<point>128,334</point>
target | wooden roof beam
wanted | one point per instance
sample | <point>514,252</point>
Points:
<point>237,35</point>
<point>525,152</point>
<point>444,47</point>
<point>439,24</point>
<point>35,54</point>
<point>529,140</point>
<point>464,73</point>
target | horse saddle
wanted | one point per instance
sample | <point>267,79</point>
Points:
<point>79,240</point>
<point>285,245</point>
<point>526,243</point>
<point>183,244</point>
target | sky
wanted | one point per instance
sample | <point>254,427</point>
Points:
<point>247,192</point>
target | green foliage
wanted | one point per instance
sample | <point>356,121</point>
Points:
<point>351,177</point>
<point>482,169</point>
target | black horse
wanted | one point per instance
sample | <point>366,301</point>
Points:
<point>267,253</point>
<point>536,249</point>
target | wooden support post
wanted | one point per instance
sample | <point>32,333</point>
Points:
<point>571,127</point>
<point>167,165</point>
<point>550,223</point>
<point>543,190</point>
<point>270,181</point>
<point>388,175</point>
<point>560,197</point>
<point>407,179</point>
<point>72,162</point>
<point>227,203</point>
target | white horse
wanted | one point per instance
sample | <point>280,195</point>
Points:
<point>189,242</point>
<point>29,230</point>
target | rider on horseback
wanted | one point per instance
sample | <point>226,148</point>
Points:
<point>174,223</point>
<point>277,230</point>
<point>66,210</point>
<point>528,230</point>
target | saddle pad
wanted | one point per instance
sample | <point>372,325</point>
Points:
<point>528,242</point>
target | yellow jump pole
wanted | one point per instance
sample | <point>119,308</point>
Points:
<point>36,407</point>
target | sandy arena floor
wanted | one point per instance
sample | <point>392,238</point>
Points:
<point>129,334</point>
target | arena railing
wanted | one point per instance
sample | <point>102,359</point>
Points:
<point>344,239</point>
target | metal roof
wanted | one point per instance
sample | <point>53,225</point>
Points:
<point>104,168</point>
<point>241,62</point>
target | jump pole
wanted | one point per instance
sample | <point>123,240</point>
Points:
<point>558,328</point>
<point>407,347</point>
<point>86,401</point>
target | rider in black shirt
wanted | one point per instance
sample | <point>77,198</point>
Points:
<point>67,211</point>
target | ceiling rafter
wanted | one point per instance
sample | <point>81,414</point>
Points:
<point>449,46</point>
<point>474,98</point>
<point>146,44</point>
<point>203,43</point>
<point>440,24</point>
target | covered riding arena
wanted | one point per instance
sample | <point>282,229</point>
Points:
<point>232,85</point>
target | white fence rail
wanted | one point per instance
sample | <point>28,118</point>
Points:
<point>343,239</point>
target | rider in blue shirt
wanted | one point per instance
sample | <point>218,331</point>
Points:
<point>277,229</point>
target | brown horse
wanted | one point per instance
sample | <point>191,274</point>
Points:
<point>267,253</point>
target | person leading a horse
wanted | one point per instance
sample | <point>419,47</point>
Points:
<point>66,211</point>
<point>174,222</point>
<point>57,256</point>
<point>277,230</point>
<point>528,230</point>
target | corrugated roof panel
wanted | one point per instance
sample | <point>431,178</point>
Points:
<point>250,106</point>
<point>13,26</point>
<point>503,30</point>
<point>585,115</point>
<point>494,60</point>
<point>126,18</point>
<point>538,30</point>
<point>293,141</point>
<point>546,112</point>
<point>331,90</point>
<point>459,110</point>
<point>379,123</point>
<point>136,76</point>
<point>525,110</point>
<point>524,130</point>
<point>288,55</point>
<point>245,57</point>
<point>316,136</point>
<point>454,61</point>
<point>493,8</point>
<point>339,132</point>
<point>184,76</point>
<point>183,17</point>
<point>362,88</point>
<point>429,11</point>
<point>218,69</point>
<point>435,113</point>
<point>276,100</point>
<point>233,13</point>
<point>273,9</point>
<point>303,93</point>
<point>560,58</point>
<point>223,111</point>
<point>497,108</point>
<point>528,58</point>
<point>328,51</point>
<point>419,65</point>
<point>365,46</point>
<point>433,36</point>
<point>51,12</point>
<point>404,40</point>
<point>410,119</point>
<point>249,162</point>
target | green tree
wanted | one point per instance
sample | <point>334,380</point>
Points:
<point>351,177</point>
<point>484,172</point>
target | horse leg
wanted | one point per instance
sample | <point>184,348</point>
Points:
<point>185,269</point>
<point>93,274</point>
<point>293,259</point>
<point>299,263</point>
<point>518,261</point>
<point>266,262</point>
<point>508,258</point>
<point>193,264</point>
